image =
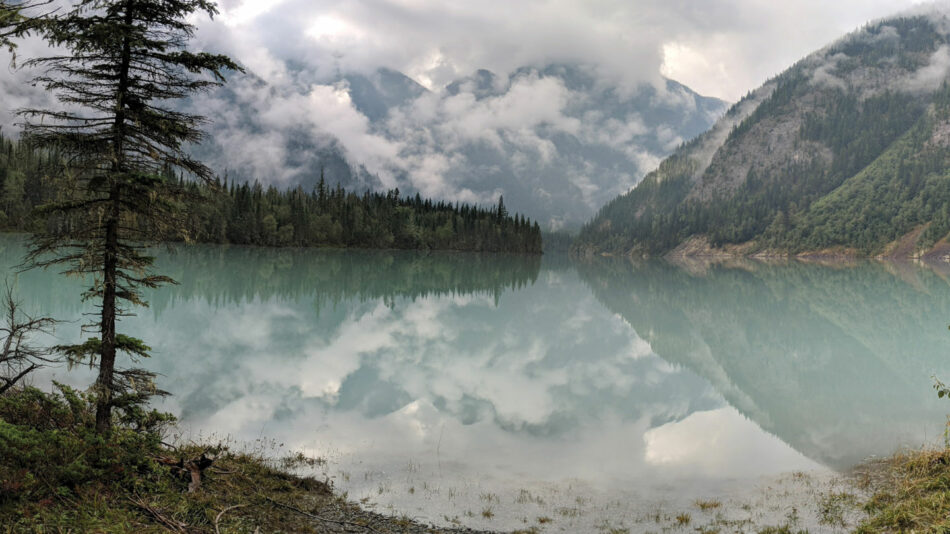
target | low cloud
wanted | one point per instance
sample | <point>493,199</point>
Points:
<point>436,129</point>
<point>930,77</point>
<point>824,74</point>
<point>545,139</point>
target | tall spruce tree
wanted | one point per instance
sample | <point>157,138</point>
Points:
<point>123,139</point>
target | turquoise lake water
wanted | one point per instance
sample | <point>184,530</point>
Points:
<point>433,379</point>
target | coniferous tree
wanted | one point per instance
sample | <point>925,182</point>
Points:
<point>226,212</point>
<point>127,60</point>
<point>14,23</point>
<point>10,23</point>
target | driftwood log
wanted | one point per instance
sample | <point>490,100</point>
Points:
<point>188,468</point>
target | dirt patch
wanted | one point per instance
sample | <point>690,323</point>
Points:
<point>940,252</point>
<point>906,245</point>
<point>700,247</point>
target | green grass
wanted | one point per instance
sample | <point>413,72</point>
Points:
<point>57,475</point>
<point>706,505</point>
<point>781,529</point>
<point>913,495</point>
<point>833,506</point>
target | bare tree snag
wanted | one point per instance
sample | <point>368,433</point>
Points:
<point>18,357</point>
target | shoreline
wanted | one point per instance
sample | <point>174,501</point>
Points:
<point>699,247</point>
<point>129,483</point>
<point>423,251</point>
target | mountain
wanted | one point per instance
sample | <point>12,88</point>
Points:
<point>557,142</point>
<point>846,152</point>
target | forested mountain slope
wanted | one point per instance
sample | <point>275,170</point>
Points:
<point>844,153</point>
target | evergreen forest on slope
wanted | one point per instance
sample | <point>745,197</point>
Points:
<point>845,152</point>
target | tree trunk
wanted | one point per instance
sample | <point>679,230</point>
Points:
<point>110,260</point>
<point>107,326</point>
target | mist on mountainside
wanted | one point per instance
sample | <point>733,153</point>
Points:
<point>556,142</point>
<point>845,153</point>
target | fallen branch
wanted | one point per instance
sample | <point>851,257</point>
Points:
<point>317,517</point>
<point>221,513</point>
<point>220,471</point>
<point>170,524</point>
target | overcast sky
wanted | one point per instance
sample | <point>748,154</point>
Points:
<point>720,48</point>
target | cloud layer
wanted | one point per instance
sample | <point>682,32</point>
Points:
<point>722,48</point>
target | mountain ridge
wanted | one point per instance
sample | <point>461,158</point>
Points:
<point>842,154</point>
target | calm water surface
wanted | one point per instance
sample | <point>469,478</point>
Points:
<point>442,385</point>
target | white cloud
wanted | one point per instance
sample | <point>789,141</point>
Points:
<point>721,47</point>
<point>824,73</point>
<point>726,49</point>
<point>436,127</point>
<point>929,77</point>
<point>718,442</point>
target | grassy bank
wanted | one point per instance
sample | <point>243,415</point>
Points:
<point>910,492</point>
<point>57,475</point>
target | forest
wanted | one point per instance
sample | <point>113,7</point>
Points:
<point>224,212</point>
<point>857,169</point>
<point>883,180</point>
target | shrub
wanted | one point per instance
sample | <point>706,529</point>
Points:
<point>49,447</point>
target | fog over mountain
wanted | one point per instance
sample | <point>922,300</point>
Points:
<point>557,142</point>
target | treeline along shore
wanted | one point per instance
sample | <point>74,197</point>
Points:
<point>225,212</point>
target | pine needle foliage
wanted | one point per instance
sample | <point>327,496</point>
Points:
<point>122,142</point>
<point>15,23</point>
<point>10,24</point>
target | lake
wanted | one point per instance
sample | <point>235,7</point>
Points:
<point>496,390</point>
